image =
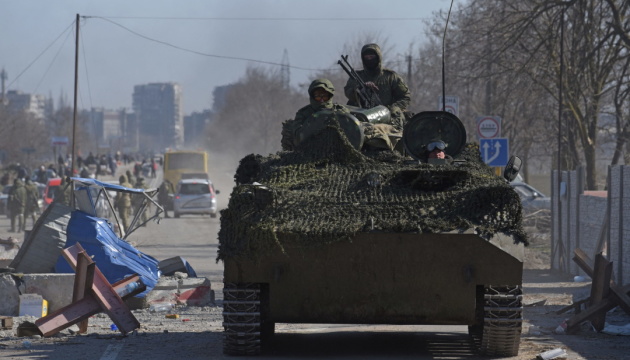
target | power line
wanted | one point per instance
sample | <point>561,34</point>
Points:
<point>38,56</point>
<point>87,75</point>
<point>53,61</point>
<point>198,52</point>
<point>263,19</point>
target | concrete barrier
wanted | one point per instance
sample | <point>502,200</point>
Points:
<point>55,288</point>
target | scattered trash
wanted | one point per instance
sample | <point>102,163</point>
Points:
<point>616,329</point>
<point>27,344</point>
<point>534,330</point>
<point>537,303</point>
<point>113,327</point>
<point>129,288</point>
<point>160,307</point>
<point>552,354</point>
<point>580,278</point>
<point>562,328</point>
<point>172,316</point>
<point>6,322</point>
<point>27,328</point>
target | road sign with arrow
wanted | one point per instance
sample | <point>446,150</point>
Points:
<point>495,152</point>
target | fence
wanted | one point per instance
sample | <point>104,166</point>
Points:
<point>593,221</point>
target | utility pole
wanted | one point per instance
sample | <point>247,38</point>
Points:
<point>285,71</point>
<point>489,75</point>
<point>76,90</point>
<point>409,70</point>
<point>3,78</point>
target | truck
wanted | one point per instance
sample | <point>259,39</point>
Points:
<point>185,164</point>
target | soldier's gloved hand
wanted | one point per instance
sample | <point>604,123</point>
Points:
<point>371,85</point>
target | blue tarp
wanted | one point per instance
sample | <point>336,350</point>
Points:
<point>115,258</point>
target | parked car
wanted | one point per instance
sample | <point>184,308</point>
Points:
<point>531,198</point>
<point>536,206</point>
<point>195,196</point>
<point>49,192</point>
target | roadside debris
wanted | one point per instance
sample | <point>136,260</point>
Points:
<point>616,329</point>
<point>92,294</point>
<point>536,303</point>
<point>605,294</point>
<point>552,354</point>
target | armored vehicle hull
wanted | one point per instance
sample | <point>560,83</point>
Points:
<point>328,234</point>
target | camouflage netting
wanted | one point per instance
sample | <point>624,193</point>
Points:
<point>326,191</point>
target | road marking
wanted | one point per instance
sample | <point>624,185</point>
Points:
<point>112,351</point>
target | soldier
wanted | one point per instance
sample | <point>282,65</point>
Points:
<point>137,199</point>
<point>17,204</point>
<point>123,203</point>
<point>32,206</point>
<point>165,189</point>
<point>321,92</point>
<point>130,178</point>
<point>62,193</point>
<point>435,150</point>
<point>392,90</point>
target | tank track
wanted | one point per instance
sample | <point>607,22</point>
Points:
<point>502,320</point>
<point>242,321</point>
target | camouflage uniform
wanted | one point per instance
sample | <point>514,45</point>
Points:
<point>137,199</point>
<point>392,90</point>
<point>17,204</point>
<point>165,189</point>
<point>289,127</point>
<point>123,203</point>
<point>63,192</point>
<point>32,205</point>
<point>130,178</point>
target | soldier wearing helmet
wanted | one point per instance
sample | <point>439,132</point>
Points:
<point>321,92</point>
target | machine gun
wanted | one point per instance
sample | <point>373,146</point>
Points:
<point>368,97</point>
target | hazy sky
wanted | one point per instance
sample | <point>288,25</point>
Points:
<point>115,53</point>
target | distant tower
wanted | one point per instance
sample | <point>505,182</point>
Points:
<point>285,72</point>
<point>3,78</point>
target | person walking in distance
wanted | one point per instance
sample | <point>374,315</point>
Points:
<point>17,205</point>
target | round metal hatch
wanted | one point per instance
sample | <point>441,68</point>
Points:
<point>318,121</point>
<point>429,125</point>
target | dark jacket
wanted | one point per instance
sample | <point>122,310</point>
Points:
<point>392,90</point>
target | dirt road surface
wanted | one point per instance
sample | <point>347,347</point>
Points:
<point>197,333</point>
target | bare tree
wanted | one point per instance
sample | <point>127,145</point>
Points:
<point>250,120</point>
<point>508,51</point>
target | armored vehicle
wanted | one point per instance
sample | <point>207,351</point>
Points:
<point>333,232</point>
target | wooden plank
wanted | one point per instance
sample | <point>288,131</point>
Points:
<point>601,307</point>
<point>583,261</point>
<point>80,310</point>
<point>620,295</point>
<point>600,289</point>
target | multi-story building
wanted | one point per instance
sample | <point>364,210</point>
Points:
<point>32,104</point>
<point>114,129</point>
<point>194,128</point>
<point>159,114</point>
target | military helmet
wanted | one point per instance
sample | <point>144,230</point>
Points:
<point>324,84</point>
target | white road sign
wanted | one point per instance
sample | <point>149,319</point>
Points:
<point>452,104</point>
<point>488,127</point>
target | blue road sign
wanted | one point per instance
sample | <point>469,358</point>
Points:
<point>495,152</point>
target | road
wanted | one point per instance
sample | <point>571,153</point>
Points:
<point>195,239</point>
